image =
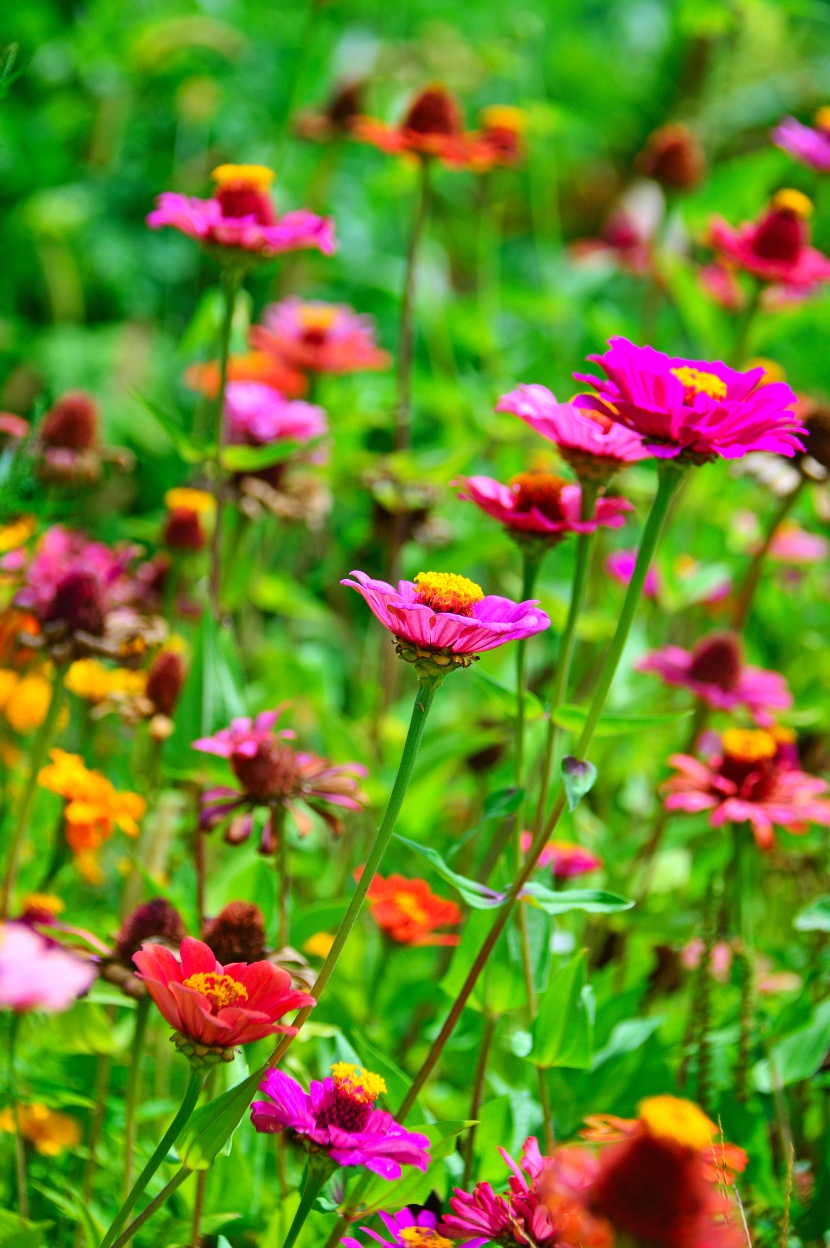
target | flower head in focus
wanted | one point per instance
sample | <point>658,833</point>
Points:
<point>37,974</point>
<point>338,1117</point>
<point>239,219</point>
<point>565,859</point>
<point>314,337</point>
<point>775,248</point>
<point>409,912</point>
<point>807,144</point>
<point>50,1132</point>
<point>433,128</point>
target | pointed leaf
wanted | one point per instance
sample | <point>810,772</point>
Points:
<point>815,917</point>
<point>210,1130</point>
<point>479,896</point>
<point>572,719</point>
<point>591,900</point>
<point>563,1032</point>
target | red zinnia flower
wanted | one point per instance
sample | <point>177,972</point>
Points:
<point>409,912</point>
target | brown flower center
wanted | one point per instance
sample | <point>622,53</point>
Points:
<point>717,661</point>
<point>783,232</point>
<point>434,111</point>
<point>749,760</point>
<point>269,772</point>
<point>78,603</point>
<point>542,490</point>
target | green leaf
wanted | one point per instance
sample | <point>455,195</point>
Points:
<point>85,1028</point>
<point>210,1131</point>
<point>17,1233</point>
<point>501,987</point>
<point>563,1032</point>
<point>172,429</point>
<point>254,458</point>
<point>479,896</point>
<point>815,917</point>
<point>626,1037</point>
<point>213,692</point>
<point>591,900</point>
<point>579,777</point>
<point>797,1056</point>
<point>572,719</point>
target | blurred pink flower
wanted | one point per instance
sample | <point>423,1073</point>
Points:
<point>258,415</point>
<point>775,248</point>
<point>565,859</point>
<point>721,285</point>
<point>541,503</point>
<point>620,565</point>
<point>37,974</point>
<point>691,407</point>
<point>804,143</point>
<point>715,672</point>
<point>76,581</point>
<point>315,337</point>
<point>792,544</point>
<point>720,961</point>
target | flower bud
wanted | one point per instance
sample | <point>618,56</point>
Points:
<point>673,157</point>
<point>72,422</point>
<point>164,681</point>
<point>152,919</point>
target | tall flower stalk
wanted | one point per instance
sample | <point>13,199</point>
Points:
<point>406,340</point>
<point>142,1015</point>
<point>746,595</point>
<point>231,282</point>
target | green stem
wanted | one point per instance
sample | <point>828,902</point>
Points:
<point>142,1015</point>
<point>231,282</point>
<point>427,690</point>
<point>547,1112</point>
<point>490,1021</point>
<point>283,877</point>
<point>315,1180</point>
<point>24,813</point>
<point>531,561</point>
<point>195,1083</point>
<point>753,576</point>
<point>19,1142</point>
<point>153,1207</point>
<point>406,343</point>
<point>669,478</point>
<point>745,325</point>
<point>198,1209</point>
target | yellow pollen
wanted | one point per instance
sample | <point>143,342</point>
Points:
<point>43,901</point>
<point>259,177</point>
<point>191,500</point>
<point>670,1118</point>
<point>696,382</point>
<point>423,1237</point>
<point>444,591</point>
<point>792,201</point>
<point>360,1085</point>
<point>823,117</point>
<point>316,315</point>
<point>411,907</point>
<point>504,117</point>
<point>784,736</point>
<point>220,990</point>
<point>748,745</point>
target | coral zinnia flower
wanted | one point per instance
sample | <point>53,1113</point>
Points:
<point>803,143</point>
<point>447,618</point>
<point>50,1132</point>
<point>408,1230</point>
<point>715,672</point>
<point>36,974</point>
<point>749,781</point>
<point>338,1116</point>
<point>240,216</point>
<point>565,859</point>
<point>700,409</point>
<point>213,1005</point>
<point>409,912</point>
<point>776,248</point>
<point>595,448</point>
<point>257,416</point>
<point>433,127</point>
<point>205,377</point>
<point>541,505</point>
<point>315,337</point>
<point>273,775</point>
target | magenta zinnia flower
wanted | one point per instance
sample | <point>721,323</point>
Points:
<point>37,974</point>
<point>441,614</point>
<point>240,216</point>
<point>273,775</point>
<point>315,337</point>
<point>804,143</point>
<point>565,859</point>
<point>540,504</point>
<point>775,248</point>
<point>75,581</point>
<point>258,415</point>
<point>715,672</point>
<point>594,446</point>
<point>749,782</point>
<point>407,1229</point>
<point>620,565</point>
<point>692,407</point>
<point>338,1116</point>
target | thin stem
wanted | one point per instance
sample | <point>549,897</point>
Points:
<point>547,1112</point>
<point>531,562</point>
<point>153,1207</point>
<point>195,1083</point>
<point>423,702</point>
<point>315,1179</point>
<point>19,1142</point>
<point>490,1021</point>
<point>745,325</point>
<point>198,1208</point>
<point>96,1127</point>
<point>231,282</point>
<point>142,1015</point>
<point>284,879</point>
<point>669,478</point>
<point>753,576</point>
<point>406,342</point>
<point>24,813</point>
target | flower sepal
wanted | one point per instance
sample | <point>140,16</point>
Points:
<point>431,666</point>
<point>202,1056</point>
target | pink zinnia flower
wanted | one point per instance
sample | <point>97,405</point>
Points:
<point>748,783</point>
<point>715,672</point>
<point>595,447</point>
<point>408,1230</point>
<point>240,215</point>
<point>37,974</point>
<point>620,565</point>
<point>792,544</point>
<point>776,248</point>
<point>273,775</point>
<point>315,337</point>
<point>75,581</point>
<point>694,407</point>
<point>542,505</point>
<point>338,1116</point>
<point>565,859</point>
<point>441,613</point>
<point>215,1005</point>
<point>804,143</point>
<point>258,415</point>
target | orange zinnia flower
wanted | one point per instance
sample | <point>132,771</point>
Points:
<point>409,912</point>
<point>94,808</point>
<point>252,366</point>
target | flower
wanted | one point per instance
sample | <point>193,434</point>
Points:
<point>594,448</point>
<point>565,859</point>
<point>446,618</point>
<point>794,545</point>
<point>91,680</point>
<point>408,1230</point>
<point>720,958</point>
<point>164,682</point>
<point>240,217</point>
<point>335,119</point>
<point>252,366</point>
<point>804,143</point>
<point>542,505</point>
<point>237,934</point>
<point>673,157</point>
<point>94,808</point>
<point>272,774</point>
<point>749,782</point>
<point>338,1116</point>
<point>68,440</point>
<point>627,236</point>
<point>433,127</point>
<point>620,565</point>
<point>50,1132</point>
<point>409,912</point>
<point>152,920</point>
<point>316,337</point>
<point>500,141</point>
<point>26,702</point>
<point>214,1007</point>
<point>319,945</point>
<point>691,407</point>
<point>257,416</point>
<point>37,974</point>
<point>715,672</point>
<point>776,248</point>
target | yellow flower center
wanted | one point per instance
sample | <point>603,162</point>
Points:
<point>259,177</point>
<point>444,591</point>
<point>504,117</point>
<point>823,118</point>
<point>795,202</point>
<point>670,1118</point>
<point>411,907</point>
<point>220,990</point>
<point>316,316</point>
<point>748,745</point>
<point>694,381</point>
<point>17,533</point>
<point>423,1237</point>
<point>190,500</point>
<point>319,944</point>
<point>784,736</point>
<point>43,901</point>
<point>358,1084</point>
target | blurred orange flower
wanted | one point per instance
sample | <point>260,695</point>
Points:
<point>409,912</point>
